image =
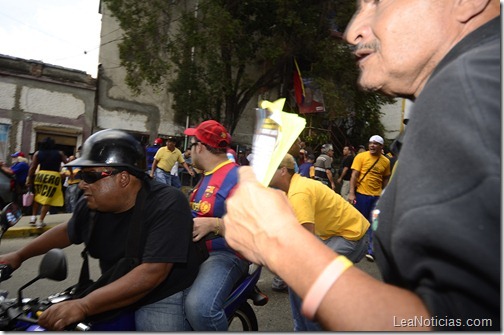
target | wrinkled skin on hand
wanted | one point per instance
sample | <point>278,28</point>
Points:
<point>63,314</point>
<point>255,216</point>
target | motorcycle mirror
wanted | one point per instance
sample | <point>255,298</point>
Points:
<point>54,265</point>
<point>11,214</point>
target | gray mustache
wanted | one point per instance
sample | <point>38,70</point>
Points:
<point>373,46</point>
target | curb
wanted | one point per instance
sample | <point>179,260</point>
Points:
<point>18,232</point>
<point>24,229</point>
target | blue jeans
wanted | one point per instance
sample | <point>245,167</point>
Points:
<point>163,177</point>
<point>163,315</point>
<point>72,194</point>
<point>354,251</point>
<point>300,322</point>
<point>216,279</point>
<point>365,204</point>
<point>175,182</point>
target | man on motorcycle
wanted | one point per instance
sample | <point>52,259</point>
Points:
<point>116,189</point>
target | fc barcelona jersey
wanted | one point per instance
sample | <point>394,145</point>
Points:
<point>207,199</point>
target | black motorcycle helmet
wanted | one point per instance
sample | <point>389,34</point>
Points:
<point>112,147</point>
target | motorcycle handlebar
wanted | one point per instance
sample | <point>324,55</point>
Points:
<point>82,327</point>
<point>5,272</point>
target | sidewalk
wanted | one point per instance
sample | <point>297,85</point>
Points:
<point>24,229</point>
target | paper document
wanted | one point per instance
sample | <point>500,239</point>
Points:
<point>275,133</point>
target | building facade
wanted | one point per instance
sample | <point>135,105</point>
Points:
<point>39,100</point>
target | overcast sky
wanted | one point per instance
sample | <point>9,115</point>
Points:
<point>59,32</point>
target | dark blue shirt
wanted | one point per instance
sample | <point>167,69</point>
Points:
<point>20,170</point>
<point>150,152</point>
<point>304,169</point>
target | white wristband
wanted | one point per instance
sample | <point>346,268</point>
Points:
<point>325,280</point>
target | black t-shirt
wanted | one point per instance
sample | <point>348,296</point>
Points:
<point>166,236</point>
<point>347,162</point>
<point>438,232</point>
<point>49,160</point>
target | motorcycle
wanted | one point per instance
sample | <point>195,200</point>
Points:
<point>238,311</point>
<point>20,314</point>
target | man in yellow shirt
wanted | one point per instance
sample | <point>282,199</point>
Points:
<point>370,175</point>
<point>164,160</point>
<point>327,215</point>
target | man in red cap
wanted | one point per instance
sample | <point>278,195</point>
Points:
<point>224,267</point>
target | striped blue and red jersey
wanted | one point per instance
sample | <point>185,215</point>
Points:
<point>209,196</point>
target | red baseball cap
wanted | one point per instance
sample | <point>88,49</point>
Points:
<point>18,154</point>
<point>211,133</point>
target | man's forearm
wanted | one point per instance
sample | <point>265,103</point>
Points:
<point>330,176</point>
<point>345,169</point>
<point>56,237</point>
<point>385,181</point>
<point>128,289</point>
<point>353,181</point>
<point>187,168</point>
<point>154,166</point>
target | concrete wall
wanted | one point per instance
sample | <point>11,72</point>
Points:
<point>39,100</point>
<point>392,118</point>
<point>149,113</point>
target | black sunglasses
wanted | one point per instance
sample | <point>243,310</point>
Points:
<point>90,177</point>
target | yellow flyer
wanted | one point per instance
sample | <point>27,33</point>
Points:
<point>276,131</point>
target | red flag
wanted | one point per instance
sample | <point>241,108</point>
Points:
<point>299,90</point>
<point>313,100</point>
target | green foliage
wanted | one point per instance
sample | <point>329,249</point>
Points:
<point>218,58</point>
<point>316,138</point>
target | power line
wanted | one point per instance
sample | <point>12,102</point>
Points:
<point>36,29</point>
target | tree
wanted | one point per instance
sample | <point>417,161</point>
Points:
<point>215,57</point>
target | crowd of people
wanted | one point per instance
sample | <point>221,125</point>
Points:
<point>432,228</point>
<point>42,176</point>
